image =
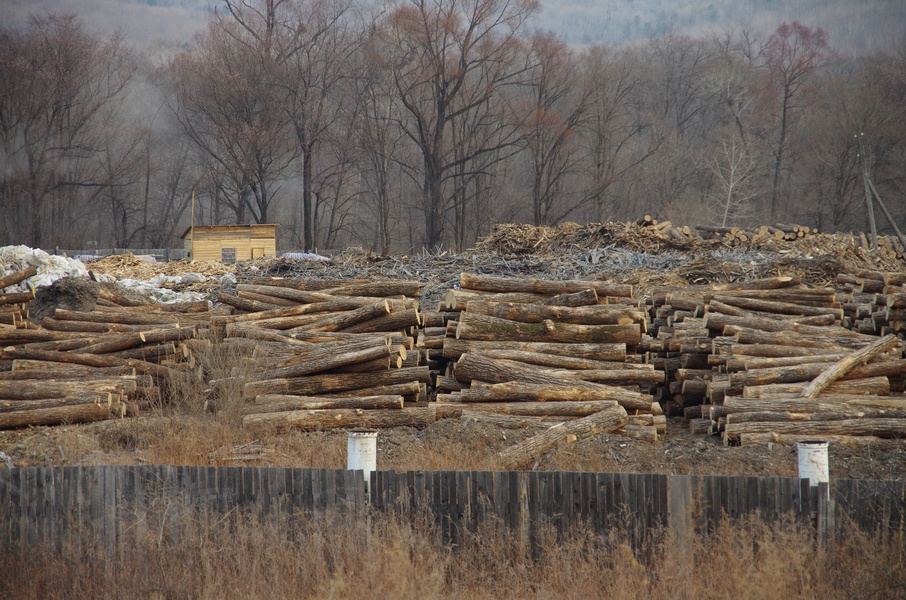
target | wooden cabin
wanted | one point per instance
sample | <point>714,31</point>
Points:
<point>229,243</point>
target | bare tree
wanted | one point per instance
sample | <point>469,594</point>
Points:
<point>61,85</point>
<point>228,104</point>
<point>792,57</point>
<point>553,106</point>
<point>734,170</point>
<point>449,57</point>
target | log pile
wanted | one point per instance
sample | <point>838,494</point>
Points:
<point>768,340</point>
<point>527,352</point>
<point>874,302</point>
<point>82,366</point>
<point>327,354</point>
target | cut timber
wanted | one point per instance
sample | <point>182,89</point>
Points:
<point>331,383</point>
<point>17,277</point>
<point>528,392</point>
<point>454,410</point>
<point>584,298</point>
<point>802,373</point>
<point>491,283</point>
<point>377,288</point>
<point>347,319</point>
<point>508,421</point>
<point>271,403</point>
<point>454,348</point>
<point>484,328</point>
<point>54,388</point>
<point>343,418</point>
<point>94,360</point>
<point>845,365</point>
<point>116,343</point>
<point>77,413</point>
<point>600,314</point>
<point>456,300</point>
<point>311,364</point>
<point>471,366</point>
<point>398,320</point>
<point>305,285</point>
<point>885,428</point>
<point>735,404</point>
<point>791,439</point>
<point>783,308</point>
<point>566,362</point>
<point>879,386</point>
<point>522,454</point>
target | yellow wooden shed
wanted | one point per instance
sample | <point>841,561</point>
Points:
<point>229,243</point>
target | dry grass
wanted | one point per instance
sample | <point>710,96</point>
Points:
<point>388,557</point>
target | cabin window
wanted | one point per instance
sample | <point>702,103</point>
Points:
<point>227,255</point>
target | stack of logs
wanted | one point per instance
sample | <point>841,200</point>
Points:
<point>326,354</point>
<point>779,231</point>
<point>725,348</point>
<point>82,366</point>
<point>873,302</point>
<point>531,352</point>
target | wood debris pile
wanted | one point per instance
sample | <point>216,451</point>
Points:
<point>531,351</point>
<point>759,348</point>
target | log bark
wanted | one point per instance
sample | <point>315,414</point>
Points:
<point>377,289</point>
<point>587,297</point>
<point>879,386</point>
<point>272,403</point>
<point>305,285</point>
<point>483,328</point>
<point>316,363</point>
<point>508,421</point>
<point>17,277</point>
<point>600,314</point>
<point>490,283</point>
<point>331,383</point>
<point>527,392</point>
<point>566,362</point>
<point>454,410</point>
<point>885,428</point>
<point>409,388</point>
<point>312,420</point>
<point>266,300</point>
<point>399,320</point>
<point>606,420</point>
<point>94,360</point>
<point>782,308</point>
<point>52,388</point>
<point>472,366</point>
<point>347,319</point>
<point>735,404</point>
<point>847,364</point>
<point>130,340</point>
<point>454,348</point>
<point>127,317</point>
<point>804,373</point>
<point>76,413</point>
<point>849,441</point>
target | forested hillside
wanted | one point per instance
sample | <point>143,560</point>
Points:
<point>422,124</point>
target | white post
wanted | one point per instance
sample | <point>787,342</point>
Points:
<point>361,454</point>
<point>813,463</point>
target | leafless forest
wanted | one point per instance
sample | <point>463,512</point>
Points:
<point>420,124</point>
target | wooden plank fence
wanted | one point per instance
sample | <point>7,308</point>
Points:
<point>116,503</point>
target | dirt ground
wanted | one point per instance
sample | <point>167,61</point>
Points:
<point>447,445</point>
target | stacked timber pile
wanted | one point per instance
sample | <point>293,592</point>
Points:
<point>12,302</point>
<point>874,302</point>
<point>81,366</point>
<point>532,352</point>
<point>729,346</point>
<point>735,235</point>
<point>326,354</point>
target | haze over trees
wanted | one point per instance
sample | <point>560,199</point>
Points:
<point>418,124</point>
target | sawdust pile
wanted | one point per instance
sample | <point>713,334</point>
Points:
<point>129,266</point>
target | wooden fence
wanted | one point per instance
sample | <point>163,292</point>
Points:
<point>56,505</point>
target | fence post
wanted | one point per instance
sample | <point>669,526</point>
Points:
<point>825,516</point>
<point>680,506</point>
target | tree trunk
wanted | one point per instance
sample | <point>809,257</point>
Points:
<point>847,364</point>
<point>522,454</point>
<point>528,392</point>
<point>886,428</point>
<point>343,418</point>
<point>331,383</point>
<point>600,314</point>
<point>75,413</point>
<point>454,348</point>
<point>490,283</point>
<point>480,327</point>
<point>454,410</point>
<point>879,386</point>
<point>17,277</point>
<point>272,403</point>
